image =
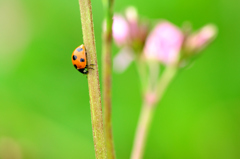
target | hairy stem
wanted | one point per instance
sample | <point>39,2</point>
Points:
<point>148,110</point>
<point>107,78</point>
<point>93,79</point>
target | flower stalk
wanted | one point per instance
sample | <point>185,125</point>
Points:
<point>107,78</point>
<point>142,130</point>
<point>152,98</point>
<point>93,79</point>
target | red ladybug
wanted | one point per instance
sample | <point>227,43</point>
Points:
<point>79,59</point>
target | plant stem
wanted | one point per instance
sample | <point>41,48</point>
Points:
<point>93,79</point>
<point>142,130</point>
<point>148,110</point>
<point>107,79</point>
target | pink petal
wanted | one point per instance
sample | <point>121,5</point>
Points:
<point>164,43</point>
<point>120,30</point>
<point>123,59</point>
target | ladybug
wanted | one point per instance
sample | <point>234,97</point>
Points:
<point>79,59</point>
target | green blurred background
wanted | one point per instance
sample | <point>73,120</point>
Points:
<point>44,103</point>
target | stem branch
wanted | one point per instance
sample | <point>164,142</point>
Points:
<point>164,81</point>
<point>148,110</point>
<point>141,68</point>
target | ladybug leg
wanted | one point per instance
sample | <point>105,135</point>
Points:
<point>90,65</point>
<point>87,66</point>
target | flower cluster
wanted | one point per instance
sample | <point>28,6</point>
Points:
<point>166,43</point>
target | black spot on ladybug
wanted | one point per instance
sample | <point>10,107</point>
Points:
<point>82,60</point>
<point>79,49</point>
<point>75,66</point>
<point>74,57</point>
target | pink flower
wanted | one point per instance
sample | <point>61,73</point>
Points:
<point>164,43</point>
<point>120,30</point>
<point>200,39</point>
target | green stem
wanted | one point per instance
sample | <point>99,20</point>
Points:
<point>164,81</point>
<point>141,68</point>
<point>107,78</point>
<point>148,111</point>
<point>93,79</point>
<point>153,75</point>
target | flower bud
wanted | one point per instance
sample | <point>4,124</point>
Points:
<point>164,43</point>
<point>197,41</point>
<point>131,14</point>
<point>130,31</point>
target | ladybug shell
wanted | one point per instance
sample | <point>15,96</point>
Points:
<point>79,59</point>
